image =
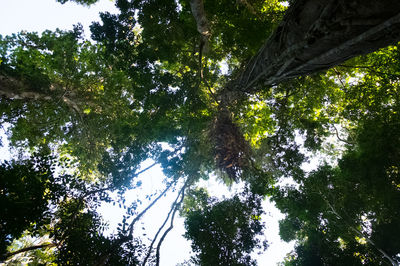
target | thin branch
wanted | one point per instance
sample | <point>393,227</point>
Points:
<point>339,78</point>
<point>370,68</point>
<point>171,226</point>
<point>203,79</point>
<point>104,259</point>
<point>201,71</point>
<point>211,93</point>
<point>161,227</point>
<point>358,232</point>
<point>137,218</point>
<point>339,138</point>
<point>10,254</point>
<point>88,193</point>
<point>145,169</point>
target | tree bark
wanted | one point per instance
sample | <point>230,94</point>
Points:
<point>11,88</point>
<point>203,27</point>
<point>316,35</point>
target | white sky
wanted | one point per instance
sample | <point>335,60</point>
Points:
<point>39,15</point>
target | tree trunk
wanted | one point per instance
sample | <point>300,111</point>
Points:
<point>318,34</point>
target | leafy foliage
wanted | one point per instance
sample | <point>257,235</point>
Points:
<point>340,213</point>
<point>26,189</point>
<point>148,88</point>
<point>82,2</point>
<point>223,232</point>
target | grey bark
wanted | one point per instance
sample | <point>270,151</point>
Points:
<point>203,27</point>
<point>12,88</point>
<point>316,35</point>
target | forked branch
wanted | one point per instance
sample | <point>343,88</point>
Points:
<point>173,208</point>
<point>177,205</point>
<point>139,216</point>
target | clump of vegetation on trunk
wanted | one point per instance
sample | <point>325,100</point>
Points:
<point>231,150</point>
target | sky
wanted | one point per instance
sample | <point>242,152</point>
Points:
<point>39,15</point>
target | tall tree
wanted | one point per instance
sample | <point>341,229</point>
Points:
<point>154,77</point>
<point>341,212</point>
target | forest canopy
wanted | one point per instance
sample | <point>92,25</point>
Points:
<point>245,91</point>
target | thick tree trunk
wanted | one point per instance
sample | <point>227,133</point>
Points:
<point>318,34</point>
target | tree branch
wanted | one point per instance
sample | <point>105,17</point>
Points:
<point>145,169</point>
<point>10,88</point>
<point>161,227</point>
<point>358,232</point>
<point>203,27</point>
<point>11,254</point>
<point>171,226</point>
<point>88,193</point>
<point>139,216</point>
<point>339,138</point>
<point>104,259</point>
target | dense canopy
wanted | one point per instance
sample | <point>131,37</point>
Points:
<point>245,91</point>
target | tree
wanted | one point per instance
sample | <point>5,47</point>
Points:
<point>153,78</point>
<point>349,209</point>
<point>223,233</point>
<point>38,202</point>
<point>68,80</point>
<point>23,198</point>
